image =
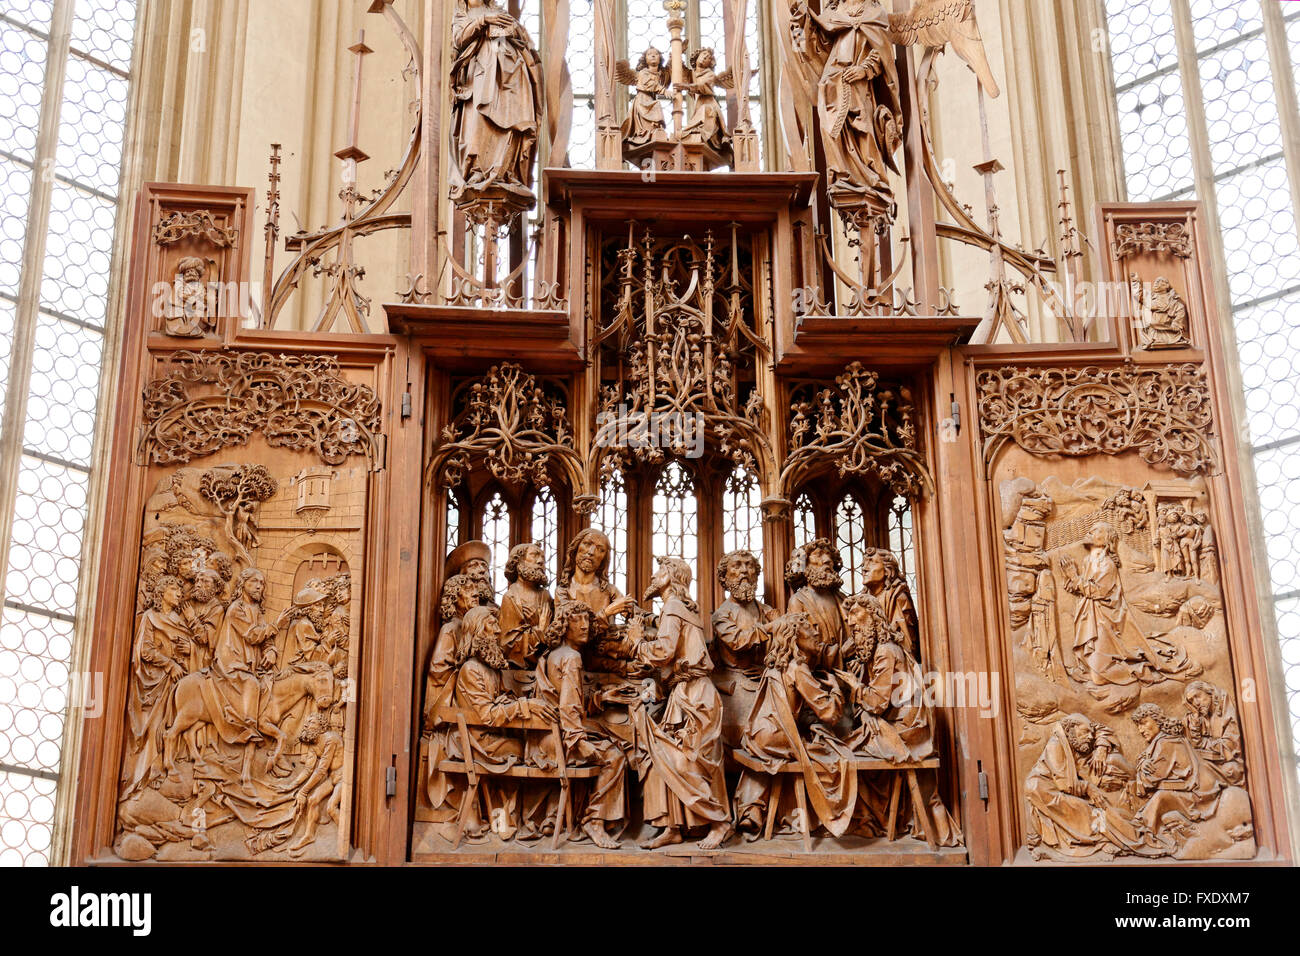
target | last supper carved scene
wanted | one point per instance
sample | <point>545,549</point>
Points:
<point>674,509</point>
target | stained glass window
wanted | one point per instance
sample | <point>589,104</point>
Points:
<point>850,539</point>
<point>546,527</point>
<point>611,519</point>
<point>805,523</point>
<point>496,535</point>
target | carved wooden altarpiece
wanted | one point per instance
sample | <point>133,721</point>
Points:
<point>673,502</point>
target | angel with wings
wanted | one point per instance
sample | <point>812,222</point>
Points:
<point>706,118</point>
<point>645,116</point>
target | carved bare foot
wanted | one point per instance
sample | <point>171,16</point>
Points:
<point>670,836</point>
<point>717,835</point>
<point>596,830</point>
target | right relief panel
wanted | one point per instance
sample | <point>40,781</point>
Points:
<point>1126,730</point>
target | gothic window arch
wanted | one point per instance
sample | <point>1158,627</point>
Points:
<point>805,519</point>
<point>495,514</point>
<point>851,538</point>
<point>544,527</point>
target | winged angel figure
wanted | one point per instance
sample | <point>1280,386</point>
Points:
<point>845,54</point>
<point>645,116</point>
<point>706,120</point>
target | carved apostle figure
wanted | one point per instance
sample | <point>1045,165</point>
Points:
<point>883,579</point>
<point>789,696</point>
<point>191,309</point>
<point>886,687</point>
<point>158,656</point>
<point>738,623</point>
<point>684,787</point>
<point>585,579</point>
<point>481,694</point>
<point>203,613</point>
<point>847,51</point>
<point>496,105</point>
<point>459,594</point>
<point>560,684</point>
<point>526,605</point>
<point>817,565</point>
<point>1177,786</point>
<point>1073,792</point>
<point>1213,730</point>
<point>473,559</point>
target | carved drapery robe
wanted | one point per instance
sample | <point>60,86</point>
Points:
<point>826,609</point>
<point>772,735</point>
<point>684,785</point>
<point>740,642</point>
<point>1107,639</point>
<point>1069,814</point>
<point>203,633</point>
<point>525,609</point>
<point>1174,780</point>
<point>495,106</point>
<point>232,691</point>
<point>150,707</point>
<point>559,683</point>
<point>481,692</point>
<point>604,652</point>
<point>1217,740</point>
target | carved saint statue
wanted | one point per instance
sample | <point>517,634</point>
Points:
<point>190,311</point>
<point>815,568</point>
<point>496,105</point>
<point>848,53</point>
<point>1162,315</point>
<point>585,579</point>
<point>1213,730</point>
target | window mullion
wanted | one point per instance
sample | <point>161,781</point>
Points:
<point>32,269</point>
<point>1279,60</point>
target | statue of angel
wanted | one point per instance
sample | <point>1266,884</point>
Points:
<point>706,119</point>
<point>645,116</point>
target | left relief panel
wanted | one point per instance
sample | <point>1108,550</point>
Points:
<point>256,466</point>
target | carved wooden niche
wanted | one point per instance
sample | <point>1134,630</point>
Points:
<point>191,245</point>
<point>240,706</point>
<point>1155,271</point>
<point>1129,743</point>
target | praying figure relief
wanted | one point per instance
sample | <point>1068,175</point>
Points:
<point>496,109</point>
<point>1123,680</point>
<point>1161,314</point>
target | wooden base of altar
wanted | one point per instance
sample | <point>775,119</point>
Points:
<point>428,847</point>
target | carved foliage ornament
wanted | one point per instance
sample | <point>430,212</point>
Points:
<point>511,424</point>
<point>295,401</point>
<point>177,225</point>
<point>860,428</point>
<point>1171,238</point>
<point>1162,412</point>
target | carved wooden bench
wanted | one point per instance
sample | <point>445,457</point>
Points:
<point>860,764</point>
<point>563,773</point>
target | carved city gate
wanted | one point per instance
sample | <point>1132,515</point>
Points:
<point>693,514</point>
